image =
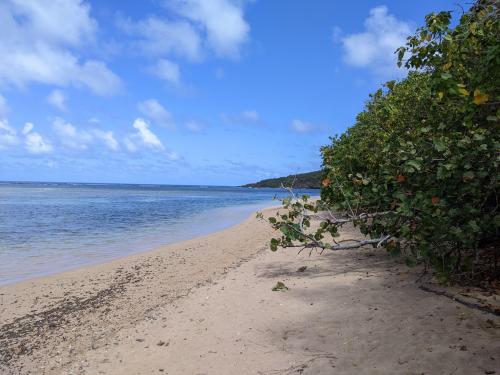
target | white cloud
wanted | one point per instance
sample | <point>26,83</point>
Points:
<point>107,138</point>
<point>374,48</point>
<point>157,37</point>
<point>70,136</point>
<point>194,127</point>
<point>244,118</point>
<point>154,111</point>
<point>221,20</point>
<point>197,27</point>
<point>143,137</point>
<point>57,99</point>
<point>4,108</point>
<point>301,126</point>
<point>81,140</point>
<point>167,70</point>
<point>36,144</point>
<point>39,40</point>
<point>8,135</point>
<point>27,128</point>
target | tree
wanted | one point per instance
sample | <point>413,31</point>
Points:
<point>418,171</point>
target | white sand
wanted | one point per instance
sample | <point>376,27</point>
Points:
<point>205,306</point>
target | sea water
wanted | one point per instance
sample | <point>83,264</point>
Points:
<point>51,227</point>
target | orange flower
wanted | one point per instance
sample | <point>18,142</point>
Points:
<point>435,200</point>
<point>325,182</point>
<point>400,178</point>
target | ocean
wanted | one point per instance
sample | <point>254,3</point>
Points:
<point>47,228</point>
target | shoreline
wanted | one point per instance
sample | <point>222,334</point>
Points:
<point>148,248</point>
<point>33,311</point>
<point>205,306</point>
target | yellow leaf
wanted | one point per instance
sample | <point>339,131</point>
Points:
<point>463,91</point>
<point>440,95</point>
<point>447,66</point>
<point>479,97</point>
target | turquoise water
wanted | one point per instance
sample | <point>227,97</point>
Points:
<point>52,227</point>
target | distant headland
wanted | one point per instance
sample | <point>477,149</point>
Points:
<point>310,180</point>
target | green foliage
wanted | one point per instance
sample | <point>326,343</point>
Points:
<point>310,180</point>
<point>425,151</point>
<point>279,287</point>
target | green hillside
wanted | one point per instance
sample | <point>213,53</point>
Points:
<point>310,180</point>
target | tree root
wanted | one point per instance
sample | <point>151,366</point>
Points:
<point>483,308</point>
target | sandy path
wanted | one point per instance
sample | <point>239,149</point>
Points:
<point>347,313</point>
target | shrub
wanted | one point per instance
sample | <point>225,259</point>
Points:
<point>421,162</point>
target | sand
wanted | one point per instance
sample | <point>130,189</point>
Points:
<point>205,306</point>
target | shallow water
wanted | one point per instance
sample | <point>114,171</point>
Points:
<point>52,227</point>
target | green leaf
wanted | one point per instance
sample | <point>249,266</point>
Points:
<point>274,244</point>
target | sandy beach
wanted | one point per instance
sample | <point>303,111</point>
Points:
<point>206,306</point>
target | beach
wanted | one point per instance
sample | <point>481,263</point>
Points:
<point>206,306</point>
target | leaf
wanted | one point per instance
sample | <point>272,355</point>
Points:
<point>274,244</point>
<point>463,91</point>
<point>279,287</point>
<point>479,97</point>
<point>415,164</point>
<point>326,182</point>
<point>467,176</point>
<point>439,145</point>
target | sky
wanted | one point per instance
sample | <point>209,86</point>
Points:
<point>210,92</point>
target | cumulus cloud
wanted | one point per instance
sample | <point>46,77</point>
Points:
<point>156,37</point>
<point>107,138</point>
<point>4,108</point>
<point>80,140</point>
<point>35,143</point>
<point>374,48</point>
<point>143,137</point>
<point>70,136</point>
<point>154,111</point>
<point>221,20</point>
<point>57,99</point>
<point>198,27</point>
<point>39,42</point>
<point>167,70</point>
<point>8,135</point>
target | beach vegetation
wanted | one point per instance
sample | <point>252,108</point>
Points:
<point>417,172</point>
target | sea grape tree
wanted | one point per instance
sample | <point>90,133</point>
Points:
<point>418,171</point>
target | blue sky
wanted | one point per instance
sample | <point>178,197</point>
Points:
<point>188,91</point>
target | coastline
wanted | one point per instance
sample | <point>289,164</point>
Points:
<point>222,218</point>
<point>205,306</point>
